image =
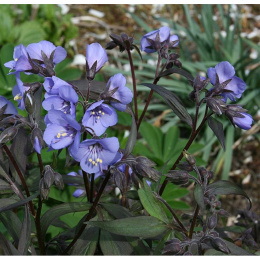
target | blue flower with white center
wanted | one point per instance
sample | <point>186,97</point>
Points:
<point>65,100</point>
<point>123,94</point>
<point>62,131</point>
<point>99,117</point>
<point>95,155</point>
<point>226,71</point>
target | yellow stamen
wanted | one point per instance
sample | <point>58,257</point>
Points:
<point>103,113</point>
<point>64,134</point>
<point>90,160</point>
<point>97,160</point>
<point>98,117</point>
<point>99,112</point>
<point>100,161</point>
<point>58,135</point>
<point>17,97</point>
<point>16,59</point>
<point>93,162</point>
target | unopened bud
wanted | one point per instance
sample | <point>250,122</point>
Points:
<point>37,139</point>
<point>174,56</point>
<point>172,247</point>
<point>145,161</point>
<point>212,221</point>
<point>7,122</point>
<point>169,65</point>
<point>178,63</point>
<point>29,103</point>
<point>120,180</point>
<point>8,134</point>
<point>111,45</point>
<point>189,158</point>
<point>219,244</point>
<point>178,177</point>
<point>44,191</point>
<point>185,166</point>
<point>146,171</point>
<point>58,180</point>
<point>223,213</point>
<point>48,176</point>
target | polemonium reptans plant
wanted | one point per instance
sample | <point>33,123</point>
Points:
<point>119,194</point>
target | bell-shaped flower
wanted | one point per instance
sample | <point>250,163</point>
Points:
<point>95,155</point>
<point>65,100</point>
<point>62,131</point>
<point>226,71</point>
<point>99,117</point>
<point>53,84</point>
<point>122,94</point>
<point>10,108</point>
<point>243,122</point>
<point>96,53</point>
<point>19,90</point>
<point>55,54</point>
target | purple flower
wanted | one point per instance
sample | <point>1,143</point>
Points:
<point>96,53</point>
<point>164,33</point>
<point>225,72</point>
<point>57,54</point>
<point>65,100</point>
<point>95,155</point>
<point>20,60</point>
<point>62,131</point>
<point>243,122</point>
<point>99,117</point>
<point>53,84</point>
<point>10,109</point>
<point>81,190</point>
<point>18,91</point>
<point>37,145</point>
<point>122,94</point>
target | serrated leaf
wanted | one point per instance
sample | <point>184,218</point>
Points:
<point>142,226</point>
<point>217,129</point>
<point>112,244</point>
<point>226,188</point>
<point>199,196</point>
<point>55,212</point>
<point>173,101</point>
<point>151,203</point>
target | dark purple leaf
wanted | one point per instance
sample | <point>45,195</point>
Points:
<point>217,129</point>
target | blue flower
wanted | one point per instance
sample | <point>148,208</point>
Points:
<point>62,131</point>
<point>99,117</point>
<point>123,94</point>
<point>95,155</point>
<point>96,53</point>
<point>225,72</point>
<point>19,90</point>
<point>164,33</point>
<point>243,122</point>
<point>10,109</point>
<point>64,101</point>
<point>81,190</point>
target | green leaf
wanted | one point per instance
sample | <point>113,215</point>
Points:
<point>225,188</point>
<point>151,203</point>
<point>55,212</point>
<point>199,196</point>
<point>87,243</point>
<point>236,250</point>
<point>112,244</point>
<point>173,102</point>
<point>7,246</point>
<point>170,141</point>
<point>181,72</point>
<point>138,246</point>
<point>142,226</point>
<point>217,128</point>
<point>214,252</point>
<point>19,203</point>
<point>116,211</point>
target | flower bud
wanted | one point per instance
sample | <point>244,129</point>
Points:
<point>8,134</point>
<point>37,139</point>
<point>178,63</point>
<point>29,103</point>
<point>44,191</point>
<point>111,45</point>
<point>172,247</point>
<point>169,65</point>
<point>178,177</point>
<point>145,161</point>
<point>223,213</point>
<point>120,180</point>
<point>185,166</point>
<point>146,171</point>
<point>58,180</point>
<point>219,244</point>
<point>48,176</point>
<point>212,221</point>
<point>174,56</point>
<point>6,122</point>
<point>190,158</point>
